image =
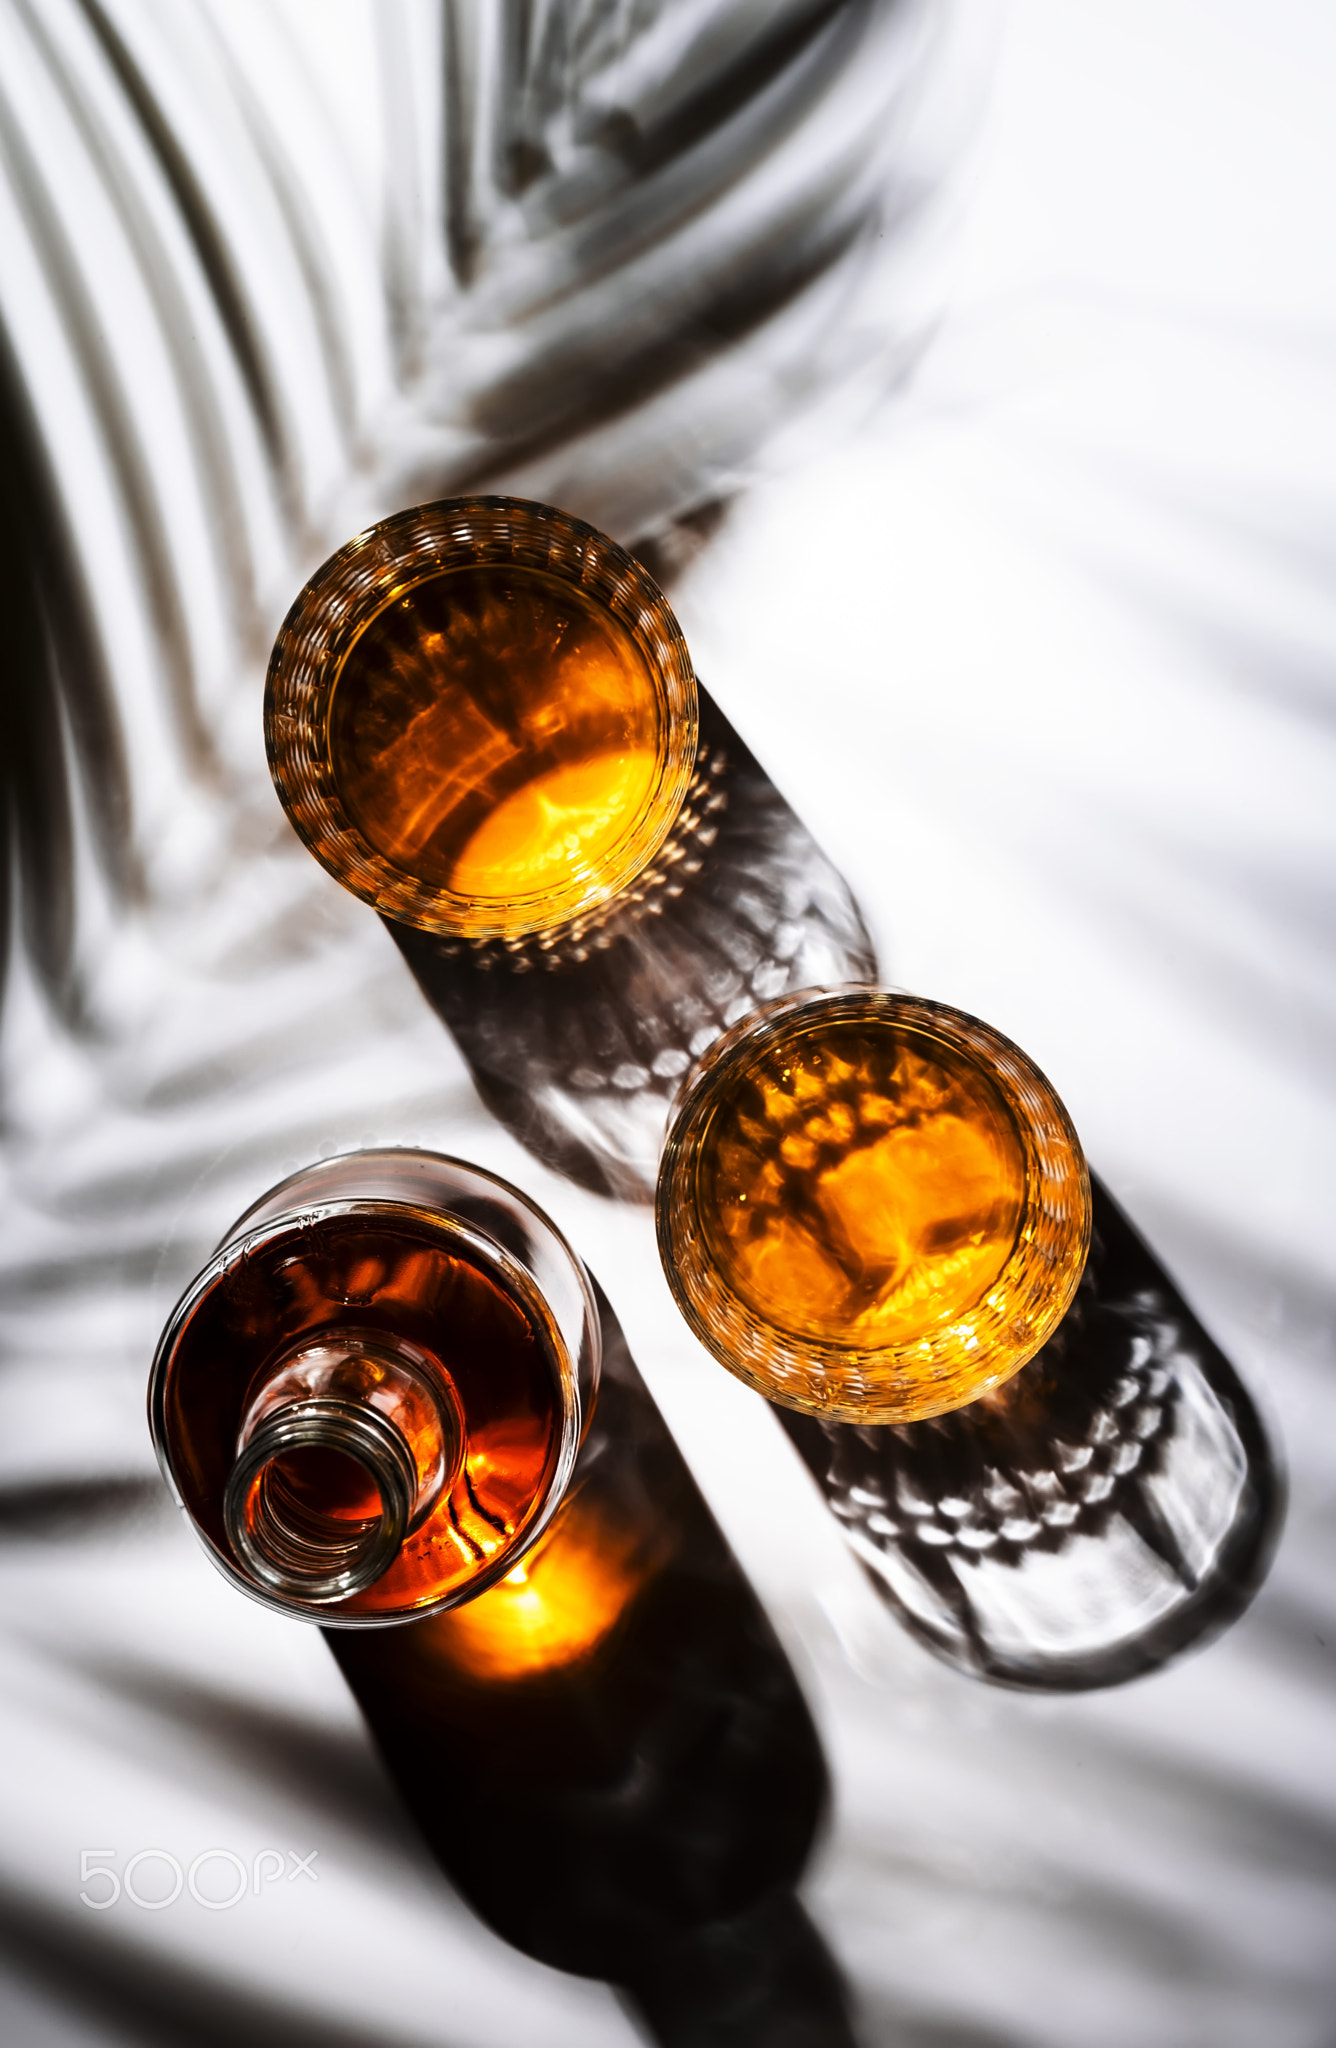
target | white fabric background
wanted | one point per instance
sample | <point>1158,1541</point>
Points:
<point>1044,654</point>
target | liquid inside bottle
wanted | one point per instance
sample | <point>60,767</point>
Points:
<point>871,1206</point>
<point>367,1408</point>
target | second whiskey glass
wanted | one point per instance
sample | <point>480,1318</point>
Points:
<point>875,1210</point>
<point>870,1206</point>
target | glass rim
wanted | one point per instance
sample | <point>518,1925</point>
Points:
<point>904,1380</point>
<point>380,565</point>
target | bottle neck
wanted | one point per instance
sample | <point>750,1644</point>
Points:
<point>345,1446</point>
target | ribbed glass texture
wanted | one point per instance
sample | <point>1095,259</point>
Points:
<point>872,1207</point>
<point>528,624</point>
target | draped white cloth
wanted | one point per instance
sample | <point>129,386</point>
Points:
<point>1040,644</point>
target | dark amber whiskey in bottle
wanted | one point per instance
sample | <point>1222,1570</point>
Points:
<point>481,717</point>
<point>370,1402</point>
<point>872,1207</point>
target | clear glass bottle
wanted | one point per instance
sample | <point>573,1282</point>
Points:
<point>482,718</point>
<point>395,1396</point>
<point>875,1210</point>
<point>370,1402</point>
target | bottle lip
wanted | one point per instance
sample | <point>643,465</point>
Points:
<point>287,1567</point>
<point>378,567</point>
<point>576,1358</point>
<point>899,1381</point>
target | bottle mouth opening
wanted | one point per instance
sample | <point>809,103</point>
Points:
<point>323,1553</point>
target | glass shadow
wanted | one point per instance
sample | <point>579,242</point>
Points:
<point>577,1040</point>
<point>609,1754</point>
<point>1114,1504</point>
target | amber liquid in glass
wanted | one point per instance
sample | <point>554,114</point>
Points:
<point>872,1207</point>
<point>376,1276</point>
<point>495,733</point>
<point>856,1187</point>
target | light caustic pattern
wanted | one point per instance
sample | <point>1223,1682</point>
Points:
<point>496,734</point>
<point>557,1607</point>
<point>862,1187</point>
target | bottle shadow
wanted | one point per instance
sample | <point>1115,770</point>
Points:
<point>1114,1504</point>
<point>609,1754</point>
<point>577,1040</point>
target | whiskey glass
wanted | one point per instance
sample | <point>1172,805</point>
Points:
<point>871,1207</point>
<point>875,1211</point>
<point>481,717</point>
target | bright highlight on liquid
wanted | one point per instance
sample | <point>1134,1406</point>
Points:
<point>561,826</point>
<point>862,1186</point>
<point>496,734</point>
